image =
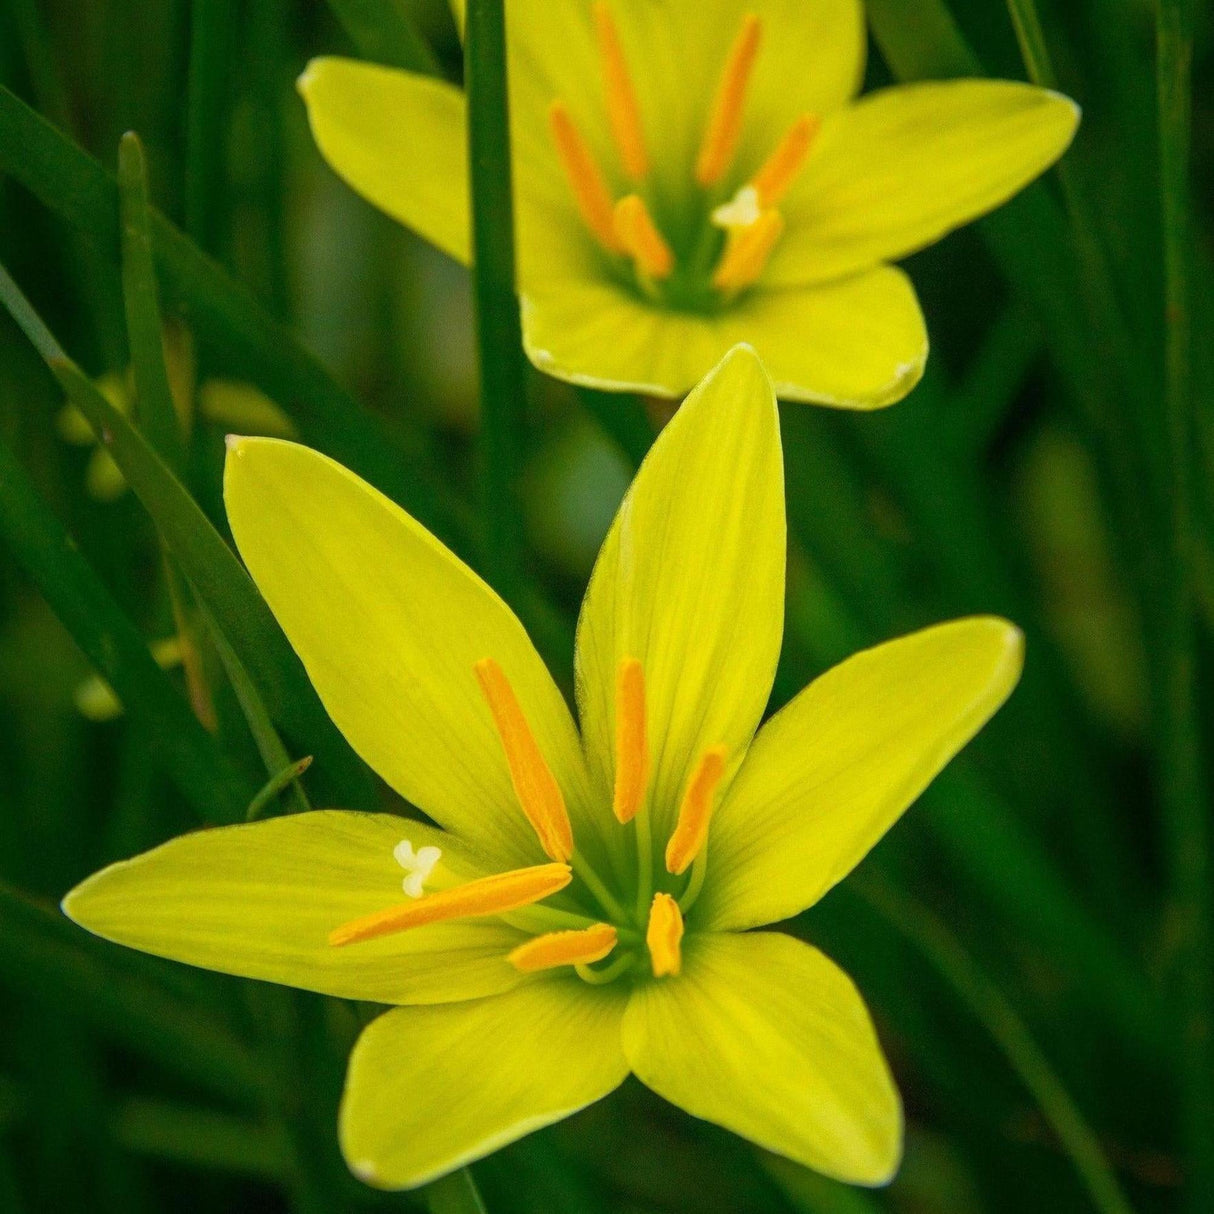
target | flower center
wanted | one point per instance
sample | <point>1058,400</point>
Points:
<point>730,237</point>
<point>634,928</point>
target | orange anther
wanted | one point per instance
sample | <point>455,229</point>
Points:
<point>486,896</point>
<point>691,830</point>
<point>534,784</point>
<point>639,237</point>
<point>747,251</point>
<point>564,948</point>
<point>725,118</point>
<point>622,110</point>
<point>664,936</point>
<point>779,170</point>
<point>585,180</point>
<point>631,741</point>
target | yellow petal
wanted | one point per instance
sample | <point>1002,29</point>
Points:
<point>690,582</point>
<point>390,626</point>
<point>858,343</point>
<point>430,1089</point>
<point>260,900</point>
<point>398,139</point>
<point>828,775</point>
<point>906,165</point>
<point>767,1037</point>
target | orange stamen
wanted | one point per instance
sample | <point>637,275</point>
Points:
<point>585,180</point>
<point>487,896</point>
<point>664,936</point>
<point>534,784</point>
<point>771,182</point>
<point>631,741</point>
<point>639,237</point>
<point>725,119</point>
<point>564,948</point>
<point>694,814</point>
<point>747,251</point>
<point>622,109</point>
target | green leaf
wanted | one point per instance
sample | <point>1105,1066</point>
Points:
<point>155,410</point>
<point>44,957</point>
<point>454,1194</point>
<point>212,568</point>
<point>222,313</point>
<point>115,647</point>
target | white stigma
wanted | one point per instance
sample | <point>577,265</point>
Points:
<point>740,211</point>
<point>418,865</point>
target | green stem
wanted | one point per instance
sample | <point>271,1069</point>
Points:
<point>1182,778</point>
<point>454,1194</point>
<point>211,23</point>
<point>947,955</point>
<point>499,339</point>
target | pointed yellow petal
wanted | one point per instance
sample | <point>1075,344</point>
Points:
<point>906,165</point>
<point>828,775</point>
<point>554,949</point>
<point>765,1036</point>
<point>260,899</point>
<point>859,343</point>
<point>690,582</point>
<point>398,139</point>
<point>492,895</point>
<point>431,1089</point>
<point>390,625</point>
<point>664,936</point>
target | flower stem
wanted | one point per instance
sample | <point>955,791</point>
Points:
<point>1182,778</point>
<point>499,340</point>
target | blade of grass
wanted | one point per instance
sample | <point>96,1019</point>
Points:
<point>1181,775</point>
<point>454,1194</point>
<point>214,572</point>
<point>276,784</point>
<point>115,647</point>
<point>155,410</point>
<point>43,956</point>
<point>503,383</point>
<point>990,1007</point>
<point>223,313</point>
<point>202,1138</point>
<point>211,30</point>
<point>382,31</point>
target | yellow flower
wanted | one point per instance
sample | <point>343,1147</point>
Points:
<point>691,174</point>
<point>581,909</point>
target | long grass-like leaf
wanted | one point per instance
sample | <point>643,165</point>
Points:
<point>212,568</point>
<point>115,647</point>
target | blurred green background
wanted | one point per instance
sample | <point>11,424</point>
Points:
<point>1034,937</point>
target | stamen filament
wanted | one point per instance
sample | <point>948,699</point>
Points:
<point>747,251</point>
<point>475,899</point>
<point>664,936</point>
<point>534,784</point>
<point>638,236</point>
<point>771,182</point>
<point>564,948</point>
<point>725,119</point>
<point>622,109</point>
<point>631,741</point>
<point>585,179</point>
<point>609,973</point>
<point>691,829</point>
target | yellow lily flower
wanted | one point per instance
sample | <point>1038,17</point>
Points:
<point>690,174</point>
<point>581,908</point>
